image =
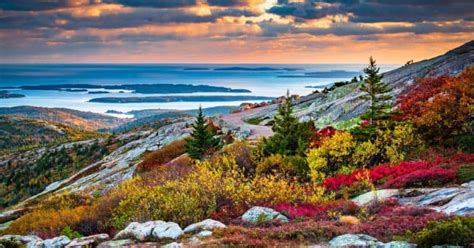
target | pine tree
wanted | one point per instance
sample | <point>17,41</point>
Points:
<point>290,136</point>
<point>202,140</point>
<point>377,95</point>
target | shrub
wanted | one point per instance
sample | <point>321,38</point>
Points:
<point>316,211</point>
<point>47,223</point>
<point>466,173</point>
<point>287,166</point>
<point>391,222</point>
<point>456,231</point>
<point>440,108</point>
<point>333,153</point>
<point>61,215</point>
<point>68,232</point>
<point>5,243</point>
<point>162,156</point>
<point>404,174</point>
<point>422,178</point>
<point>209,188</point>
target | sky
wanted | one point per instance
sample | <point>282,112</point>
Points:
<point>231,31</point>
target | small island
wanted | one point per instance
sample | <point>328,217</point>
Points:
<point>236,68</point>
<point>98,92</point>
<point>324,74</point>
<point>4,94</point>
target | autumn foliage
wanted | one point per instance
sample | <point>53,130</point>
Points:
<point>441,108</point>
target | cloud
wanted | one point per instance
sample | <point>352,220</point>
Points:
<point>379,10</point>
<point>156,3</point>
<point>39,5</point>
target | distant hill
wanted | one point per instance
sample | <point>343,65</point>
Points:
<point>18,133</point>
<point>73,118</point>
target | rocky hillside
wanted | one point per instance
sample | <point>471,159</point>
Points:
<point>18,133</point>
<point>95,175</point>
<point>74,118</point>
<point>342,104</point>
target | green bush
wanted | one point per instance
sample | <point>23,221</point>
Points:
<point>457,231</point>
<point>10,244</point>
<point>466,173</point>
<point>68,232</point>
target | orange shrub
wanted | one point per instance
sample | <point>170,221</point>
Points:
<point>162,155</point>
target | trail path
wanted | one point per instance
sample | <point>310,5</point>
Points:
<point>257,131</point>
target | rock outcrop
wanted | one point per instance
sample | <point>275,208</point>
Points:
<point>113,169</point>
<point>258,215</point>
<point>205,225</point>
<point>150,230</point>
<point>89,241</point>
<point>363,240</point>
<point>452,200</point>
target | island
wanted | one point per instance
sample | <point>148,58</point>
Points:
<point>98,92</point>
<point>139,88</point>
<point>324,74</point>
<point>162,99</point>
<point>6,94</point>
<point>236,68</point>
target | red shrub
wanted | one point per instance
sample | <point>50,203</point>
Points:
<point>319,135</point>
<point>318,212</point>
<point>397,221</point>
<point>406,174</point>
<point>420,178</point>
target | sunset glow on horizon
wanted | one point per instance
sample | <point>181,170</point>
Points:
<point>231,31</point>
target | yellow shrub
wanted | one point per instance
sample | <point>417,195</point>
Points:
<point>47,222</point>
<point>364,153</point>
<point>210,186</point>
<point>398,142</point>
<point>333,153</point>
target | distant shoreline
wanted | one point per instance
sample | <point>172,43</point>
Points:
<point>137,88</point>
<point>164,99</point>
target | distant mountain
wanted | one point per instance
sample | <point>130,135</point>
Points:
<point>73,118</point>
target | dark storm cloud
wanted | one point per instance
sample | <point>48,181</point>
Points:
<point>155,3</point>
<point>371,11</point>
<point>137,17</point>
<point>39,5</point>
<point>233,2</point>
<point>345,29</point>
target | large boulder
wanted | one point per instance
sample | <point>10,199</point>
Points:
<point>205,225</point>
<point>88,241</point>
<point>257,215</point>
<point>150,230</point>
<point>375,195</point>
<point>355,240</point>
<point>57,242</point>
<point>167,230</point>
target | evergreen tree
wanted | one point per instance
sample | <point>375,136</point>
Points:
<point>290,136</point>
<point>202,140</point>
<point>377,93</point>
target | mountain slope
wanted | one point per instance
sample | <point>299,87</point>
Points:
<point>343,103</point>
<point>18,133</point>
<point>74,118</point>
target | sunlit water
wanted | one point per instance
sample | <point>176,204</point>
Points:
<point>261,83</point>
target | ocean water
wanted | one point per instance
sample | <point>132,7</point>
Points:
<point>261,82</point>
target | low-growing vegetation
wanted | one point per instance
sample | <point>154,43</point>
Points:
<point>307,174</point>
